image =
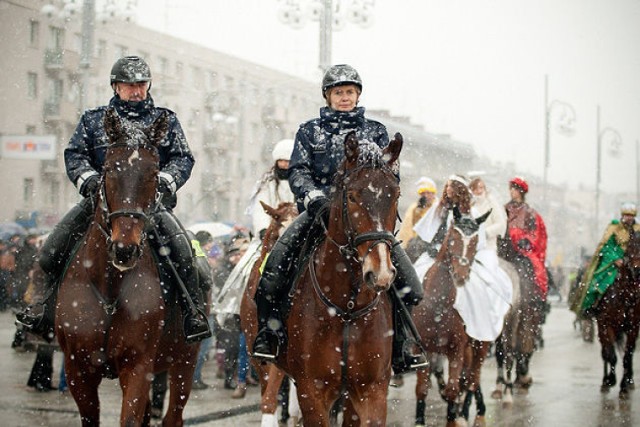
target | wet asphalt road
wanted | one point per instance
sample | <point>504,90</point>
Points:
<point>567,374</point>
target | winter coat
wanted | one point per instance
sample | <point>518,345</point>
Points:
<point>528,235</point>
<point>87,147</point>
<point>319,149</point>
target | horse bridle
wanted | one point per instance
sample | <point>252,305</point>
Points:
<point>349,250</point>
<point>462,259</point>
<point>108,216</point>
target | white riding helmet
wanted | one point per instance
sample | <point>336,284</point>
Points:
<point>282,150</point>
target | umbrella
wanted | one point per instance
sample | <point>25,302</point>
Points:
<point>216,229</point>
<point>9,229</point>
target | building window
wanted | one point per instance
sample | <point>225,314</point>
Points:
<point>34,33</point>
<point>77,42</point>
<point>56,38</point>
<point>27,190</point>
<point>193,118</point>
<point>54,193</point>
<point>212,80</point>
<point>101,50</point>
<point>30,130</point>
<point>179,68</point>
<point>163,65</point>
<point>54,90</point>
<point>32,85</point>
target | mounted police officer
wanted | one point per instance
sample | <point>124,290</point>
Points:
<point>317,155</point>
<point>84,158</point>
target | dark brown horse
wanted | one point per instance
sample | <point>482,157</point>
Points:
<point>441,328</point>
<point>111,318</point>
<point>618,319</point>
<point>339,326</point>
<point>270,375</point>
<point>517,342</point>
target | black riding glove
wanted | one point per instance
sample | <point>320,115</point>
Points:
<point>166,191</point>
<point>90,186</point>
<point>317,204</point>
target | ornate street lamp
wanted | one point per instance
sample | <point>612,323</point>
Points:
<point>331,15</point>
<point>564,116</point>
<point>615,144</point>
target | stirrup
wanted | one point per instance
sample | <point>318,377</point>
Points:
<point>270,338</point>
<point>202,334</point>
<point>199,336</point>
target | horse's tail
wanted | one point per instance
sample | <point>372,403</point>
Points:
<point>621,341</point>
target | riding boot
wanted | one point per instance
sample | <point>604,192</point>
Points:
<point>171,241</point>
<point>38,318</point>
<point>274,285</point>
<point>406,292</point>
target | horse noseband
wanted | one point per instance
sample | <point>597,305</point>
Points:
<point>375,237</point>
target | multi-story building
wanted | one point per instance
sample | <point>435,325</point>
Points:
<point>232,110</point>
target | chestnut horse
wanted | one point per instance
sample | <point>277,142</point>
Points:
<point>618,317</point>
<point>340,324</point>
<point>438,323</point>
<point>270,375</point>
<point>111,318</point>
<point>517,342</point>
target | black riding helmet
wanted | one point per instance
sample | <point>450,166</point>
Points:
<point>338,75</point>
<point>130,69</point>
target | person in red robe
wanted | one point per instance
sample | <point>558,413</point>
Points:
<point>527,232</point>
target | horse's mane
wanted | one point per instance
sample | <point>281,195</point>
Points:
<point>370,155</point>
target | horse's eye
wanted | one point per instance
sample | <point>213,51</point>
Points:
<point>351,198</point>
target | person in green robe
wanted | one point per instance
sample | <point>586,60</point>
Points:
<point>607,259</point>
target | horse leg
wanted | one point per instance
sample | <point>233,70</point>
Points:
<point>314,404</point>
<point>608,354</point>
<point>500,383</point>
<point>270,381</point>
<point>180,381</point>
<point>480,350</point>
<point>84,389</point>
<point>507,398</point>
<point>627,364</point>
<point>422,389</point>
<point>451,390</point>
<point>136,386</point>
<point>370,406</point>
<point>466,404</point>
<point>294,405</point>
<point>481,408</point>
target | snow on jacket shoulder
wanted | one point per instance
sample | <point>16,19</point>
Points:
<point>87,146</point>
<point>319,148</point>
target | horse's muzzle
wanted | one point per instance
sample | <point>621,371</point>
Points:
<point>124,257</point>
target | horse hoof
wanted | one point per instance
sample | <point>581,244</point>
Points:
<point>604,389</point>
<point>496,394</point>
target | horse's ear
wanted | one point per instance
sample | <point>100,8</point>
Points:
<point>482,218</point>
<point>158,129</point>
<point>392,151</point>
<point>112,124</point>
<point>351,149</point>
<point>272,212</point>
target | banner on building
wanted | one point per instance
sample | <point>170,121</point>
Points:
<point>31,147</point>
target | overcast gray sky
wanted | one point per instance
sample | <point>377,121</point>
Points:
<point>471,68</point>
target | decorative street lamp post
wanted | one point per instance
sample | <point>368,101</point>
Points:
<point>615,145</point>
<point>565,118</point>
<point>331,14</point>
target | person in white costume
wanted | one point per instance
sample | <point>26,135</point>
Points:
<point>485,299</point>
<point>272,189</point>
